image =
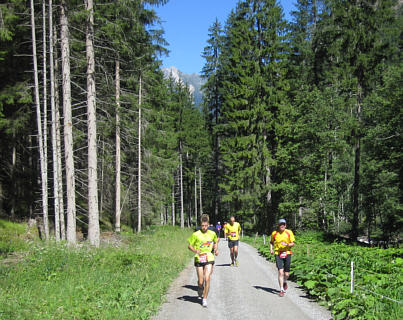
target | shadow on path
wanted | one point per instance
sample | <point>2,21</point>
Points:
<point>188,286</point>
<point>270,290</point>
<point>223,265</point>
<point>190,299</point>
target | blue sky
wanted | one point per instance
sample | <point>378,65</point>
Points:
<point>186,24</point>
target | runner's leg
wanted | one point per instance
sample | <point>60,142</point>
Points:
<point>200,278</point>
<point>208,270</point>
<point>287,265</point>
<point>235,252</point>
<point>231,251</point>
<point>286,275</point>
<point>281,278</point>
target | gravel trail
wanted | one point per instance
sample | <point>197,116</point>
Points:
<point>247,292</point>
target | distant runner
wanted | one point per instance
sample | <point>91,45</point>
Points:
<point>282,239</point>
<point>232,230</point>
<point>202,242</point>
<point>218,228</point>
<point>217,232</point>
<point>225,235</point>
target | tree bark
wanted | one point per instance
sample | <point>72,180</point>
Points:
<point>93,213</point>
<point>139,164</point>
<point>173,203</point>
<point>357,158</point>
<point>117,138</point>
<point>162,215</point>
<point>45,114</point>
<point>181,188</point>
<point>200,192</point>
<point>68,126</point>
<point>58,139</point>
<point>195,196</point>
<point>53,112</point>
<point>300,212</point>
<point>13,183</point>
<point>39,124</point>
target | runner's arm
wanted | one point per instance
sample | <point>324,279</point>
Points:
<point>291,244</point>
<point>193,249</point>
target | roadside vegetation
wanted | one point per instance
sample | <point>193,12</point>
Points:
<point>323,268</point>
<point>123,280</point>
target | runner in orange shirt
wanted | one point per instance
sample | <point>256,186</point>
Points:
<point>283,240</point>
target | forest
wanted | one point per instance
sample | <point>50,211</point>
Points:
<point>300,119</point>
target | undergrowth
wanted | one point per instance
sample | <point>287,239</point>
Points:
<point>323,269</point>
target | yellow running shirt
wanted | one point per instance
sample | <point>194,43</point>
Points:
<point>276,238</point>
<point>233,231</point>
<point>204,242</point>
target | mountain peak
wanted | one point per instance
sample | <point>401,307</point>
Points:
<point>194,81</point>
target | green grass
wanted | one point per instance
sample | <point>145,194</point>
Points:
<point>323,268</point>
<point>129,282</point>
<point>15,237</point>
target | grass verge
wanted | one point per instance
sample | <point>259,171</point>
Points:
<point>128,282</point>
<point>15,237</point>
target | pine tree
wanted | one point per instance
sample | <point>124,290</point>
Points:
<point>212,101</point>
<point>354,51</point>
<point>254,88</point>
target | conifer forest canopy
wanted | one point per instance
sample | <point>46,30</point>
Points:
<point>300,119</point>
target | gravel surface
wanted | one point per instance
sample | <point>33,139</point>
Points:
<point>249,291</point>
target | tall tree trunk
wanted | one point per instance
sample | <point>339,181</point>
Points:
<point>200,192</point>
<point>39,125</point>
<point>196,196</point>
<point>300,212</point>
<point>13,183</point>
<point>117,137</point>
<point>53,112</point>
<point>101,196</point>
<point>68,126</point>
<point>356,184</point>
<point>162,215</point>
<point>58,139</point>
<point>93,213</point>
<point>269,201</point>
<point>139,164</point>
<point>181,187</point>
<point>173,203</point>
<point>45,114</point>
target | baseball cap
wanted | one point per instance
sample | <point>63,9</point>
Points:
<point>282,221</point>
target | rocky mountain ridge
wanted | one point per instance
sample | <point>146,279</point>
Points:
<point>193,80</point>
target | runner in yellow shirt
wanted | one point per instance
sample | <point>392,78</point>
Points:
<point>232,230</point>
<point>283,240</point>
<point>202,243</point>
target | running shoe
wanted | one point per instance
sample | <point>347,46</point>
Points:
<point>237,263</point>
<point>282,293</point>
<point>200,291</point>
<point>232,264</point>
<point>204,303</point>
<point>285,286</point>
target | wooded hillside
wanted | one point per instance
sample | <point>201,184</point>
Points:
<point>300,119</point>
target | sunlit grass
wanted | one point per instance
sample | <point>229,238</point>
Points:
<point>127,282</point>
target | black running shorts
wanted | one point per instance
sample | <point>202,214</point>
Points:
<point>283,263</point>
<point>202,264</point>
<point>233,243</point>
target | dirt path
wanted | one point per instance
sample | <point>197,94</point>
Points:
<point>247,292</point>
